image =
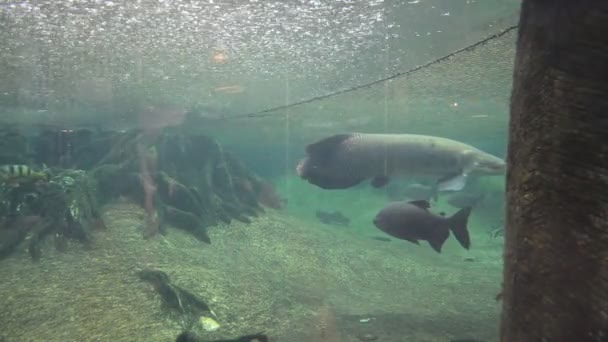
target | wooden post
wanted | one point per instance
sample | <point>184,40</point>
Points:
<point>556,253</point>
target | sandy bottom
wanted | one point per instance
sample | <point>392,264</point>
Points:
<point>296,280</point>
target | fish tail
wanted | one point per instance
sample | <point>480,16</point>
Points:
<point>438,241</point>
<point>458,226</point>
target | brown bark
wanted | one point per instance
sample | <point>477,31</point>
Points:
<point>556,253</point>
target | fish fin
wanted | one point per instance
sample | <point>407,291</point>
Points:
<point>422,204</point>
<point>412,240</point>
<point>452,183</point>
<point>438,239</point>
<point>436,244</point>
<point>324,149</point>
<point>458,226</point>
<point>380,181</point>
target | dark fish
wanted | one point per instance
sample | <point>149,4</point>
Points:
<point>345,160</point>
<point>465,199</point>
<point>420,192</point>
<point>412,221</point>
<point>333,218</point>
<point>191,337</point>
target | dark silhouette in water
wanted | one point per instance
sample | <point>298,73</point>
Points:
<point>333,218</point>
<point>412,221</point>
<point>187,336</point>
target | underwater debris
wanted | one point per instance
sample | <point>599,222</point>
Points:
<point>326,325</point>
<point>13,231</point>
<point>64,208</point>
<point>269,197</point>
<point>184,180</point>
<point>335,218</point>
<point>367,337</point>
<point>183,306</point>
<point>208,323</point>
<point>496,232</point>
<point>188,222</point>
<point>188,336</point>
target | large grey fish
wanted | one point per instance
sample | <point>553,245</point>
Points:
<point>345,160</point>
<point>412,221</point>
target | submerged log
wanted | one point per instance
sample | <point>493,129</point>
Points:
<point>64,208</point>
<point>182,305</point>
<point>185,180</point>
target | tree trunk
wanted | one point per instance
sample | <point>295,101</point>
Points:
<point>556,253</point>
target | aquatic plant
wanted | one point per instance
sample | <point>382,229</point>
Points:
<point>64,208</point>
<point>185,180</point>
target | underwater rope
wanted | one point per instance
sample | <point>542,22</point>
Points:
<point>267,112</point>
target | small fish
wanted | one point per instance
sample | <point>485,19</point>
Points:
<point>464,199</point>
<point>342,161</point>
<point>187,336</point>
<point>21,174</point>
<point>412,221</point>
<point>333,218</point>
